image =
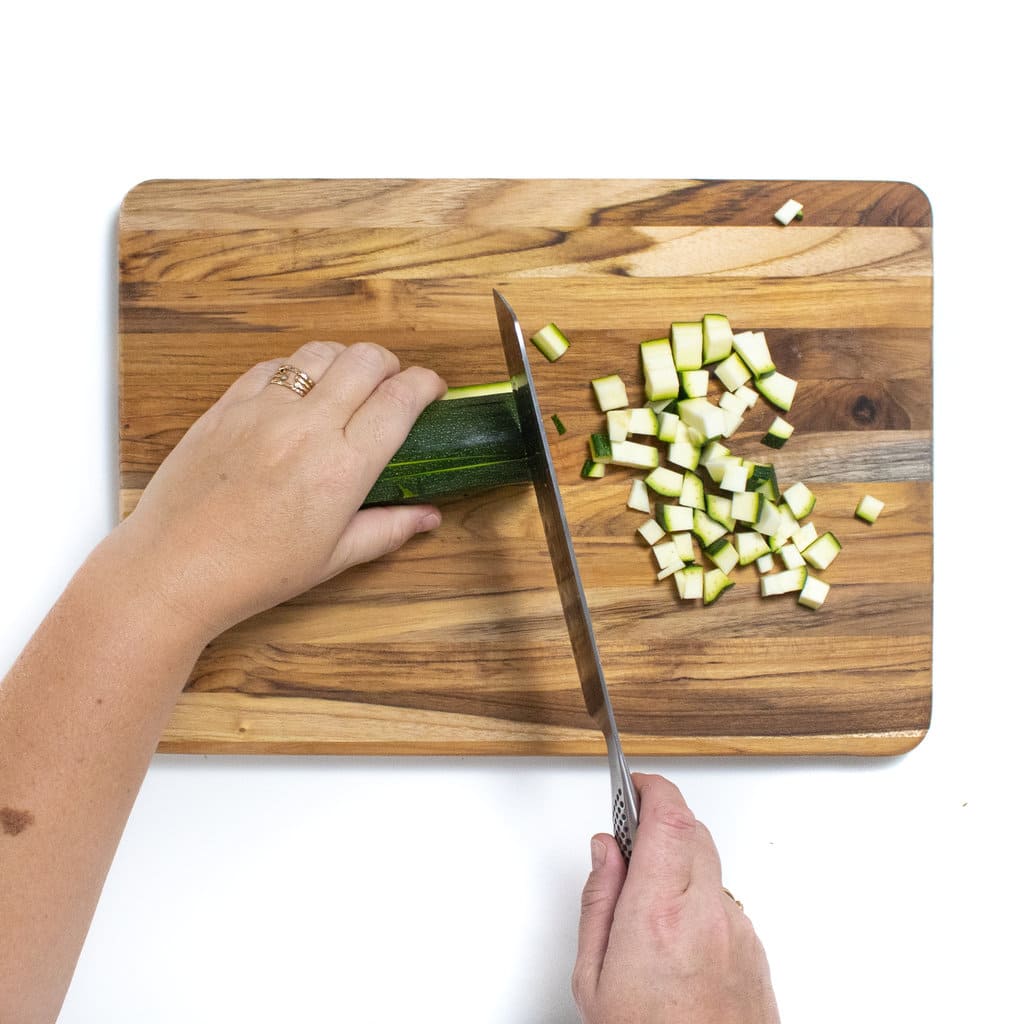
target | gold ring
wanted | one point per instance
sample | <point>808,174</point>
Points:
<point>733,898</point>
<point>292,377</point>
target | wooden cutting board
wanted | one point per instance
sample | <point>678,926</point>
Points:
<point>456,644</point>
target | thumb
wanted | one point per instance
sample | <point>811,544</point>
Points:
<point>373,532</point>
<point>597,910</point>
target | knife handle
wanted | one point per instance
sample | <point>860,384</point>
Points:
<point>625,804</point>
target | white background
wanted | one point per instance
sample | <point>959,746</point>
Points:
<point>373,889</point>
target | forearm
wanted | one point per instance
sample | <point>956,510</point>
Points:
<point>81,713</point>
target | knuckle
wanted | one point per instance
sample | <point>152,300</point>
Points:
<point>677,821</point>
<point>400,394</point>
<point>322,350</point>
<point>374,358</point>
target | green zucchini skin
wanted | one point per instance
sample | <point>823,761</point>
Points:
<point>457,446</point>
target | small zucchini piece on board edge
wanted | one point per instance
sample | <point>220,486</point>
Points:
<point>465,442</point>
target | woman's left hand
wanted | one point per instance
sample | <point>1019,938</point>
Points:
<point>260,500</point>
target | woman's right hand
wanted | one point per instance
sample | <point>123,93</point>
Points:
<point>664,943</point>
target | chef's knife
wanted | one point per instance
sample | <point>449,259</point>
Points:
<point>625,807</point>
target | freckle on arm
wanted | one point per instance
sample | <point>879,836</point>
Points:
<point>15,822</point>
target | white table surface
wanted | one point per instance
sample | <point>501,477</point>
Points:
<point>313,889</point>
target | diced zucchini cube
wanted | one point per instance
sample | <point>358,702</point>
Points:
<point>750,547</point>
<point>752,348</point>
<point>799,499</point>
<point>618,424</point>
<point>788,211</point>
<point>665,553</point>
<point>694,383</point>
<point>778,433</point>
<point>813,593</point>
<point>723,554</point>
<point>692,490</point>
<point>660,379</point>
<point>822,551</point>
<point>791,557</point>
<point>634,455</point>
<point>683,452</point>
<point>643,421</point>
<point>746,506</point>
<point>733,372</point>
<point>673,518</point>
<point>766,563</point>
<point>706,529</point>
<point>668,426</point>
<point>719,507</point>
<point>786,582</point>
<point>701,414</point>
<point>610,392</point>
<point>804,536</point>
<point>639,499</point>
<point>600,448</point>
<point>778,389</point>
<point>716,583</point>
<point>690,583</point>
<point>664,481</point>
<point>551,342</point>
<point>869,508</point>
<point>717,342</point>
<point>687,340</point>
<point>651,532</point>
<point>684,545</point>
<point>735,477</point>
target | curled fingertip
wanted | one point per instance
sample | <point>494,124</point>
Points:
<point>430,520</point>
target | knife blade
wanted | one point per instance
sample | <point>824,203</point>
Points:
<point>567,574</point>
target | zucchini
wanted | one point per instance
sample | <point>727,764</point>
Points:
<point>660,380</point>
<point>868,508</point>
<point>593,470</point>
<point>799,499</point>
<point>716,583</point>
<point>778,433</point>
<point>691,492</point>
<point>813,593</point>
<point>610,392</point>
<point>465,442</point>
<point>694,383</point>
<point>752,348</point>
<point>618,424</point>
<point>789,211</point>
<point>600,448</point>
<point>786,582</point>
<point>687,340</point>
<point>639,499</point>
<point>822,551</point>
<point>750,547</point>
<point>668,426</point>
<point>690,582</point>
<point>666,482</point>
<point>551,342</point>
<point>651,532</point>
<point>733,372</point>
<point>778,389</point>
<point>643,421</point>
<point>674,518</point>
<point>634,455</point>
<point>723,554</point>
<point>716,338</point>
<point>559,425</point>
<point>684,546</point>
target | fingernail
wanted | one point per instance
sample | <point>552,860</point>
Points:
<point>430,521</point>
<point>597,853</point>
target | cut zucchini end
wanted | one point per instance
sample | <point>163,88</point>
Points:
<point>716,583</point>
<point>551,342</point>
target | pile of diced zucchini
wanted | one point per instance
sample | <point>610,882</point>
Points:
<point>699,497</point>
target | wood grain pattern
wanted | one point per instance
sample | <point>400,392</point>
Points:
<point>456,643</point>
